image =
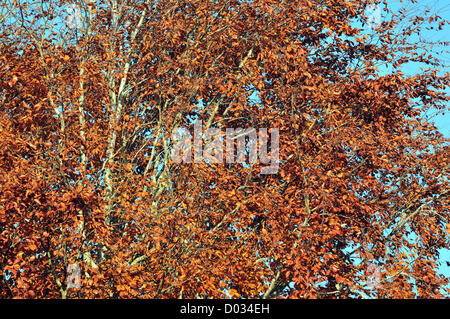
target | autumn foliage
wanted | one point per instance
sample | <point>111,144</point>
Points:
<point>86,119</point>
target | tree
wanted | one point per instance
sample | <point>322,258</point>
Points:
<point>88,109</point>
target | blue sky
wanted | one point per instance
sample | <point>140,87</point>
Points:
<point>442,8</point>
<point>442,122</point>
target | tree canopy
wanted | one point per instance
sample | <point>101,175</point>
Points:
<point>91,93</point>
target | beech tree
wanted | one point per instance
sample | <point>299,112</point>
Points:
<point>91,93</point>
